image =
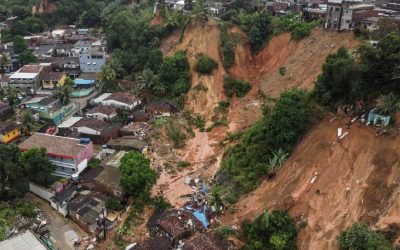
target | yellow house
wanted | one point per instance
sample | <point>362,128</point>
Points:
<point>53,80</point>
<point>8,132</point>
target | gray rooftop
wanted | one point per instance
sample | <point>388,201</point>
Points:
<point>24,241</point>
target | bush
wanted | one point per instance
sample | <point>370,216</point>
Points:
<point>94,163</point>
<point>112,203</point>
<point>161,203</point>
<point>225,231</point>
<point>235,87</point>
<point>282,71</point>
<point>273,231</point>
<point>359,236</point>
<point>200,122</point>
<point>205,64</point>
<point>175,73</point>
<point>176,134</point>
<point>301,31</point>
<point>183,164</point>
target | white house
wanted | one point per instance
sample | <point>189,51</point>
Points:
<point>119,100</point>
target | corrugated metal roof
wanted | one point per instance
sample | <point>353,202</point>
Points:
<point>24,241</point>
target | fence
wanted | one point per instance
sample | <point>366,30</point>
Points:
<point>40,191</point>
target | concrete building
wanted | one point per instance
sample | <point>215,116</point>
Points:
<point>69,155</point>
<point>346,15</point>
<point>92,61</point>
<point>26,78</point>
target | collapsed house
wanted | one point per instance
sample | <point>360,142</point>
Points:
<point>377,119</point>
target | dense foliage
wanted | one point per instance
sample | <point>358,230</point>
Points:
<point>260,25</point>
<point>37,166</point>
<point>137,178</point>
<point>205,64</point>
<point>112,203</point>
<point>234,87</point>
<point>274,231</point>
<point>175,74</point>
<point>359,236</point>
<point>375,72</point>
<point>227,46</point>
<point>271,137</point>
<point>13,183</point>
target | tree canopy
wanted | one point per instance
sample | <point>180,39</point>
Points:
<point>37,166</point>
<point>274,231</point>
<point>137,178</point>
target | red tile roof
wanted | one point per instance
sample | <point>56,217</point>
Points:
<point>123,97</point>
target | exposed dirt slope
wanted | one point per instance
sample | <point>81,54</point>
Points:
<point>45,7</point>
<point>364,164</point>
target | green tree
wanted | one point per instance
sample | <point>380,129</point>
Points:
<point>359,237</point>
<point>28,123</point>
<point>37,166</point>
<point>19,44</point>
<point>137,178</point>
<point>13,183</point>
<point>275,231</point>
<point>112,203</point>
<point>107,77</point>
<point>26,57</point>
<point>68,82</point>
<point>205,64</point>
<point>145,80</point>
<point>334,85</point>
<point>66,94</point>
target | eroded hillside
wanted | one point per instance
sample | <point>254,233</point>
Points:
<point>357,179</point>
<point>303,61</point>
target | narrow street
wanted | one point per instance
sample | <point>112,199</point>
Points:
<point>62,230</point>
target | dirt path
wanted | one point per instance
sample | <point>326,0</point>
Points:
<point>62,230</point>
<point>356,180</point>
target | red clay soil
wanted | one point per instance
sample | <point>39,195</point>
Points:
<point>45,7</point>
<point>357,179</point>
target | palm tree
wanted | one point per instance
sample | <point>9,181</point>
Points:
<point>145,80</point>
<point>387,104</point>
<point>106,76</point>
<point>28,123</point>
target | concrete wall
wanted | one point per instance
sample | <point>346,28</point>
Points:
<point>43,193</point>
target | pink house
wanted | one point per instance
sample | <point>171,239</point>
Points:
<point>69,155</point>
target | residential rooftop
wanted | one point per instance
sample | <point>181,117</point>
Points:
<point>103,109</point>
<point>24,241</point>
<point>55,145</point>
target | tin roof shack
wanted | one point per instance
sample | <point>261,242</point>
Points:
<point>156,243</point>
<point>85,210</point>
<point>205,241</point>
<point>104,179</point>
<point>127,143</point>
<point>378,119</point>
<point>178,225</point>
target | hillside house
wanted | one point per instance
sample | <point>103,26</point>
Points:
<point>50,108</point>
<point>92,61</point>
<point>99,131</point>
<point>102,112</point>
<point>345,14</point>
<point>69,155</point>
<point>377,119</point>
<point>8,132</point>
<point>53,80</point>
<point>26,78</point>
<point>119,100</point>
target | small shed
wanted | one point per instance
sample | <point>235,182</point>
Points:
<point>378,119</point>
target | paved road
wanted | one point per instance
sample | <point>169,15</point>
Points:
<point>62,230</point>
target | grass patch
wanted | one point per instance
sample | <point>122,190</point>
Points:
<point>183,164</point>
